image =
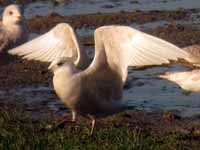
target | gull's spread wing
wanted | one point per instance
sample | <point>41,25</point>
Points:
<point>116,48</point>
<point>58,42</point>
<point>122,46</point>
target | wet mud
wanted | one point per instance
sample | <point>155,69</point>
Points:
<point>20,73</point>
<point>43,23</point>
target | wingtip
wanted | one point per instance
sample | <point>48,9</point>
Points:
<point>11,52</point>
<point>166,75</point>
<point>192,54</point>
<point>193,59</point>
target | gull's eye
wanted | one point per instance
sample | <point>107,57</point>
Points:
<point>10,12</point>
<point>60,63</point>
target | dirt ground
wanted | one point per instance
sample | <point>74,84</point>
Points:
<point>40,23</point>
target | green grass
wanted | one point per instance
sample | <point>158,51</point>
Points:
<point>19,131</point>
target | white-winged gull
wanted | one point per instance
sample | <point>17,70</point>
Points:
<point>97,90</point>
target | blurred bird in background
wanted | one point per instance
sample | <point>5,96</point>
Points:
<point>13,30</point>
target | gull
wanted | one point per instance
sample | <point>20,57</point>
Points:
<point>96,91</point>
<point>187,80</point>
<point>13,31</point>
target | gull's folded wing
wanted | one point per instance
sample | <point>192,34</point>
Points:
<point>58,42</point>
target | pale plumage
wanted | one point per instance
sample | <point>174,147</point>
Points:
<point>194,54</point>
<point>187,80</point>
<point>59,42</point>
<point>13,31</point>
<point>97,90</point>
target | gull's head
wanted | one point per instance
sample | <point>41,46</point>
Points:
<point>62,63</point>
<point>12,15</point>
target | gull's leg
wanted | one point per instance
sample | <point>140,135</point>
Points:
<point>65,120</point>
<point>93,123</point>
<point>74,116</point>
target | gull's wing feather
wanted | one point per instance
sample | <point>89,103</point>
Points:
<point>194,54</point>
<point>116,48</point>
<point>141,49</point>
<point>193,49</point>
<point>124,46</point>
<point>58,42</point>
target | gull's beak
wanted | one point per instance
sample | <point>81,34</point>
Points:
<point>52,65</point>
<point>19,17</point>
